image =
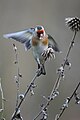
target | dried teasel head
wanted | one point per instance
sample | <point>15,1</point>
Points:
<point>73,23</point>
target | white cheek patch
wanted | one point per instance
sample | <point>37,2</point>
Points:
<point>41,35</point>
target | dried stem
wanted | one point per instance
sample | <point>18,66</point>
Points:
<point>18,86</point>
<point>53,93</point>
<point>31,85</point>
<point>2,99</point>
<point>70,47</point>
<point>69,99</point>
<point>57,83</point>
<point>26,92</point>
<point>17,77</point>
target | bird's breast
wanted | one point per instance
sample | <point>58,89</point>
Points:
<point>37,42</point>
<point>38,46</point>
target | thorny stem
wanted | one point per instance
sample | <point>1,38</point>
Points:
<point>18,86</point>
<point>58,80</point>
<point>26,92</point>
<point>71,45</point>
<point>17,76</point>
<point>17,79</point>
<point>73,93</point>
<point>57,83</point>
<point>18,104</point>
<point>2,97</point>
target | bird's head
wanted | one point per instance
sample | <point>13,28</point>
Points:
<point>40,32</point>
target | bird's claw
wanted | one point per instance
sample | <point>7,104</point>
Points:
<point>41,71</point>
<point>38,72</point>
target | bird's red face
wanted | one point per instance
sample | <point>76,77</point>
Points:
<point>40,32</point>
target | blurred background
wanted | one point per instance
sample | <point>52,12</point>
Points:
<point>17,15</point>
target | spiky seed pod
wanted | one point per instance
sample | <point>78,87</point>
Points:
<point>73,23</point>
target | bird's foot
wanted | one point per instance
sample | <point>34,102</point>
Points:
<point>38,72</point>
<point>41,71</point>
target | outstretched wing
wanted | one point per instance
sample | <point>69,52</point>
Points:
<point>52,43</point>
<point>22,36</point>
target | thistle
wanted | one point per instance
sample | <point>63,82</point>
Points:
<point>73,23</point>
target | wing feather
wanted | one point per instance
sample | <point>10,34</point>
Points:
<point>53,44</point>
<point>22,36</point>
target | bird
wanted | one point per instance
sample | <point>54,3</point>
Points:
<point>39,41</point>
